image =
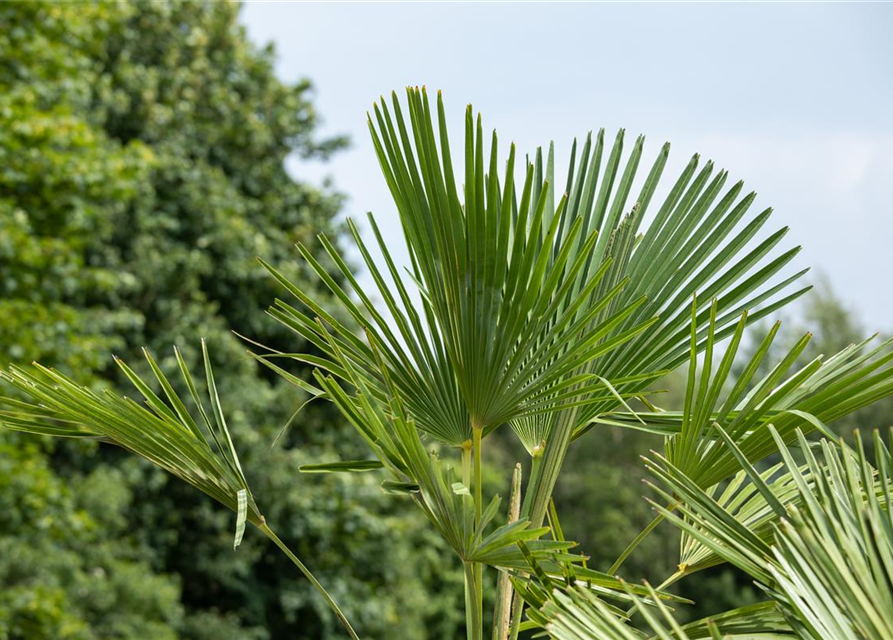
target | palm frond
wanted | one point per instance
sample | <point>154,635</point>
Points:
<point>829,564</point>
<point>808,399</point>
<point>578,614</point>
<point>198,450</point>
<point>444,498</point>
<point>701,239</point>
<point>165,433</point>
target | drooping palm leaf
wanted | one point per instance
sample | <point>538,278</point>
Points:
<point>164,431</point>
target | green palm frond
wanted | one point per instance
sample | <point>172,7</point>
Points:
<point>830,562</point>
<point>808,399</point>
<point>742,500</point>
<point>165,433</point>
<point>700,239</point>
<point>484,334</point>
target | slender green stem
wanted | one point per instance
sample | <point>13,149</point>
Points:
<point>544,475</point>
<point>517,610</point>
<point>536,501</point>
<point>473,620</point>
<point>466,464</point>
<point>300,565</point>
<point>672,579</point>
<point>477,445</point>
<point>477,434</point>
<point>637,541</point>
<point>536,464</point>
<point>503,610</point>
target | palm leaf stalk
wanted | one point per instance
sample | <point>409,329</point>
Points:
<point>163,431</point>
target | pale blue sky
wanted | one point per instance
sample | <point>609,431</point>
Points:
<point>795,99</point>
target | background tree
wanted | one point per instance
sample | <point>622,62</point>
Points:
<point>142,152</point>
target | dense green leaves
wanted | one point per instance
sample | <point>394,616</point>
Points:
<point>68,568</point>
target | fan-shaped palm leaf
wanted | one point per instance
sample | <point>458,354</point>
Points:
<point>699,240</point>
<point>496,339</point>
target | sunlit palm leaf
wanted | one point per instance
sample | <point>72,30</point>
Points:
<point>504,307</point>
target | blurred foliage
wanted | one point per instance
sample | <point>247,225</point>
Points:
<point>67,568</point>
<point>142,150</point>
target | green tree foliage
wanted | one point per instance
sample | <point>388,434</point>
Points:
<point>142,152</point>
<point>67,568</point>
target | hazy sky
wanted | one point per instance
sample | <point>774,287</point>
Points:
<point>795,99</point>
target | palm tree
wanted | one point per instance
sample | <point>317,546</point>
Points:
<point>549,316</point>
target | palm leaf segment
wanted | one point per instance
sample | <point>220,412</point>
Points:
<point>165,433</point>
